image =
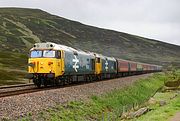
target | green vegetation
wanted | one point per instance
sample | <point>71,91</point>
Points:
<point>173,75</point>
<point>173,79</point>
<point>12,68</point>
<point>107,106</point>
<point>13,60</point>
<point>10,77</point>
<point>162,113</point>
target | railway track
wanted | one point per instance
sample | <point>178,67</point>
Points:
<point>13,86</point>
<point>12,90</point>
<point>16,89</point>
<point>18,92</point>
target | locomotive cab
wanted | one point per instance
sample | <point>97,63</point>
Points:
<point>45,63</point>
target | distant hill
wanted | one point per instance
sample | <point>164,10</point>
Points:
<point>20,28</point>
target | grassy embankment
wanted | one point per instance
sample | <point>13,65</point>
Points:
<point>172,99</point>
<point>108,106</point>
<point>162,113</point>
<point>12,68</point>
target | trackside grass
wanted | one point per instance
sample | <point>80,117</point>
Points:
<point>162,113</point>
<point>105,107</point>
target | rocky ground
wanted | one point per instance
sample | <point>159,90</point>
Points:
<point>17,106</point>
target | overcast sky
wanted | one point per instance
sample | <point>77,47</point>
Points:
<point>157,19</point>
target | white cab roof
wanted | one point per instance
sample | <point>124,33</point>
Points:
<point>54,46</point>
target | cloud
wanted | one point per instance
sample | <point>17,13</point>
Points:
<point>158,19</point>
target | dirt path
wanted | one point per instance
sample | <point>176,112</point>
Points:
<point>176,117</point>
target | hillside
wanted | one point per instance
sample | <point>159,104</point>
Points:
<point>21,28</point>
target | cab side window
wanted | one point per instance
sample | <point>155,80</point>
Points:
<point>93,64</point>
<point>115,65</point>
<point>98,60</point>
<point>59,54</point>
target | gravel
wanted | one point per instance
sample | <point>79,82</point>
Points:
<point>17,106</point>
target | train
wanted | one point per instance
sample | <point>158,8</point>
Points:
<point>56,64</point>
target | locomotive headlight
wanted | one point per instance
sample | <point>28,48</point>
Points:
<point>51,45</point>
<point>36,45</point>
<point>47,45</point>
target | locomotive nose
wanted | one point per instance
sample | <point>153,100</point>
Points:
<point>41,65</point>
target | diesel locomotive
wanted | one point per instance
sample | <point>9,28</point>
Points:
<point>55,64</point>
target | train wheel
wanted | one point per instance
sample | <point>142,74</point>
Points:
<point>61,81</point>
<point>40,81</point>
<point>37,82</point>
<point>45,83</point>
<point>56,81</point>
